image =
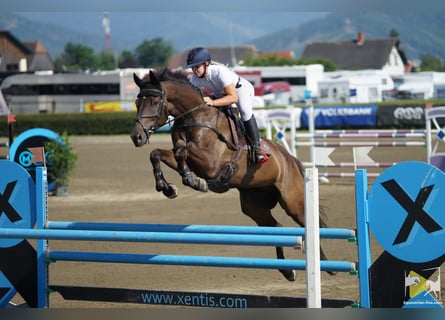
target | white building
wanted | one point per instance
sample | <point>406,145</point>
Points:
<point>422,85</point>
<point>362,86</point>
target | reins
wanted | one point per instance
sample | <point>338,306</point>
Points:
<point>163,109</point>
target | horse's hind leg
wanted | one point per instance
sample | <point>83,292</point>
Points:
<point>257,204</point>
<point>293,204</point>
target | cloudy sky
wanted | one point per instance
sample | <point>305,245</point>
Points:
<point>226,5</point>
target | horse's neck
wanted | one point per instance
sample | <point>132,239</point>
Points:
<point>184,98</point>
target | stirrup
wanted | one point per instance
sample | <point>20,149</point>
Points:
<point>260,157</point>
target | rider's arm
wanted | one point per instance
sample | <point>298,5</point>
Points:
<point>230,97</point>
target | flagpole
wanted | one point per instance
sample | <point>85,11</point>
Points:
<point>355,159</point>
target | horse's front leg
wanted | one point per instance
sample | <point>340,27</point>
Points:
<point>166,156</point>
<point>188,178</point>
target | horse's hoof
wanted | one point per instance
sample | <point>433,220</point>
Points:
<point>290,275</point>
<point>332,273</point>
<point>202,185</point>
<point>171,192</point>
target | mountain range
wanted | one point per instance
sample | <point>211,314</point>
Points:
<point>419,33</point>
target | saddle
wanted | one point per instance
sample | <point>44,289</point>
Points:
<point>239,142</point>
<point>238,131</point>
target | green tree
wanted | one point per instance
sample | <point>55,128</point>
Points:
<point>429,62</point>
<point>127,59</point>
<point>154,53</point>
<point>393,33</point>
<point>77,57</point>
<point>106,60</point>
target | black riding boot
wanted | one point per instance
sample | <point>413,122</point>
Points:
<point>252,132</point>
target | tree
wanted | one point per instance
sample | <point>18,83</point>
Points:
<point>431,63</point>
<point>127,59</point>
<point>77,57</point>
<point>106,61</point>
<point>154,53</point>
<point>393,33</point>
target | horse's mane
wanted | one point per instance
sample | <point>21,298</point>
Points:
<point>166,74</point>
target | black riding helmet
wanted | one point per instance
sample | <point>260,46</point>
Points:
<point>197,56</point>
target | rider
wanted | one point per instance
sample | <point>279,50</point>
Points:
<point>224,88</point>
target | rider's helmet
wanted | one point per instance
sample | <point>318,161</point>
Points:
<point>197,56</point>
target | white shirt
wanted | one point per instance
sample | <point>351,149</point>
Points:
<point>217,78</point>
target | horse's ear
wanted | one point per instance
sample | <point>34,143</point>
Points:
<point>154,79</point>
<point>137,80</point>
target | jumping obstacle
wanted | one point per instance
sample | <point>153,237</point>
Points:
<point>283,123</point>
<point>405,221</point>
<point>197,234</point>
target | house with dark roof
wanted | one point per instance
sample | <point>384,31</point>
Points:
<point>361,54</point>
<point>38,59</point>
<point>13,53</point>
<point>17,56</point>
<point>230,56</point>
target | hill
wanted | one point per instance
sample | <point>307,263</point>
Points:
<point>419,32</point>
<point>129,29</point>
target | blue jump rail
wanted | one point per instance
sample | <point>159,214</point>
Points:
<point>200,261</point>
<point>159,237</point>
<point>334,233</point>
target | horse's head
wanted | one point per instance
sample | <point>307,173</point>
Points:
<point>151,108</point>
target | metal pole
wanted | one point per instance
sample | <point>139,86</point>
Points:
<point>312,239</point>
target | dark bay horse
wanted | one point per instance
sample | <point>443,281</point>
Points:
<point>208,156</point>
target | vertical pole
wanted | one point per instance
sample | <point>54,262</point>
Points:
<point>268,127</point>
<point>364,249</point>
<point>312,239</point>
<point>293,131</point>
<point>312,132</point>
<point>11,121</point>
<point>42,244</point>
<point>428,134</point>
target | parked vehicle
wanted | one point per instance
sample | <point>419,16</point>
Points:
<point>47,92</point>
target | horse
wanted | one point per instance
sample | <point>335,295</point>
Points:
<point>209,155</point>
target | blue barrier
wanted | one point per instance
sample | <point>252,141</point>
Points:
<point>197,234</point>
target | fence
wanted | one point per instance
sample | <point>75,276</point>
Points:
<point>281,125</point>
<point>234,235</point>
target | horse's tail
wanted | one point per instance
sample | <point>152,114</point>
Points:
<point>323,210</point>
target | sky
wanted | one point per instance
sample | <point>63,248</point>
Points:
<point>226,5</point>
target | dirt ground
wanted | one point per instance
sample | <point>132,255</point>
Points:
<point>113,182</point>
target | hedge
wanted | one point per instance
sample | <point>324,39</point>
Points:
<point>73,123</point>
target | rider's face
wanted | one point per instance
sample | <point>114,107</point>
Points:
<point>199,70</point>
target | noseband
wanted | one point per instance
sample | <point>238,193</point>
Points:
<point>151,93</point>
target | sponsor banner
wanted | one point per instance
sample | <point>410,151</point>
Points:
<point>401,116</point>
<point>341,116</point>
<point>106,106</point>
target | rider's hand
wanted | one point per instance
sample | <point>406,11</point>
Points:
<point>209,101</point>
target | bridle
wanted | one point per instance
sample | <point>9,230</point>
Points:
<point>144,93</point>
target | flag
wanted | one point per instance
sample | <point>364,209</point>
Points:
<point>38,155</point>
<point>361,155</point>
<point>322,156</point>
<point>11,118</point>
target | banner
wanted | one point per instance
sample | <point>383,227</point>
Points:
<point>341,116</point>
<point>103,106</point>
<point>401,116</point>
